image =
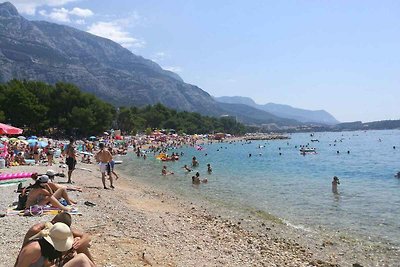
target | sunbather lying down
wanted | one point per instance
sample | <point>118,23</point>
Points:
<point>54,186</point>
<point>41,193</point>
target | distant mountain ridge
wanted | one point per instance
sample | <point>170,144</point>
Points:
<point>283,111</point>
<point>49,52</point>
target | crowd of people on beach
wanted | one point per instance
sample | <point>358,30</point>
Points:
<point>54,243</point>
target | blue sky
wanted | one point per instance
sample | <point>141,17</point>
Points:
<point>341,56</point>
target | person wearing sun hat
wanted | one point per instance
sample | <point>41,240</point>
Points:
<point>51,244</point>
<point>81,239</point>
<point>46,246</point>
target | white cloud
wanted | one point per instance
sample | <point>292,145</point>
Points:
<point>173,68</point>
<point>81,12</point>
<point>114,30</point>
<point>57,14</point>
<point>64,15</point>
<point>29,6</point>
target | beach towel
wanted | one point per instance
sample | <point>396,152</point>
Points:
<point>39,211</point>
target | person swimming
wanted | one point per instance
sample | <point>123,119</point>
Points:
<point>195,180</point>
<point>186,168</point>
<point>165,172</point>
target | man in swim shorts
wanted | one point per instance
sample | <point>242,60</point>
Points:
<point>104,158</point>
<point>70,158</point>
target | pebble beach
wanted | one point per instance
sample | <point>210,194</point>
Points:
<point>137,225</point>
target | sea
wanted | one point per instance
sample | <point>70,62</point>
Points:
<point>296,189</point>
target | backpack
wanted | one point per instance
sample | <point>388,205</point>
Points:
<point>22,201</point>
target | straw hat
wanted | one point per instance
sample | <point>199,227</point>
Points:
<point>58,235</point>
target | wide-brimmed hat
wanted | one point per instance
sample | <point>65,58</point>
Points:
<point>50,173</point>
<point>58,235</point>
<point>43,179</point>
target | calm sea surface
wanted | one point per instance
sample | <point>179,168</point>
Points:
<point>297,188</point>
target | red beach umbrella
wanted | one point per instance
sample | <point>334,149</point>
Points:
<point>7,129</point>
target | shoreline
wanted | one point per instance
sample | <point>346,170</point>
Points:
<point>137,219</point>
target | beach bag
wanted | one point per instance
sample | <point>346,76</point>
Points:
<point>22,201</point>
<point>34,210</point>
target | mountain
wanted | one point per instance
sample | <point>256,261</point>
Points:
<point>250,115</point>
<point>48,52</point>
<point>38,50</point>
<point>284,111</point>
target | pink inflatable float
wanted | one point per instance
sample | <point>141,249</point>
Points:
<point>18,175</point>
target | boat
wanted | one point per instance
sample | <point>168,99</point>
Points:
<point>308,150</point>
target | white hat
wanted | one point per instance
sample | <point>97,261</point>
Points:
<point>58,235</point>
<point>43,179</point>
<point>50,173</point>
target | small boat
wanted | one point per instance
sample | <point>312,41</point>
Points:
<point>314,140</point>
<point>307,150</point>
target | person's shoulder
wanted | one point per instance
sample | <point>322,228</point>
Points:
<point>31,248</point>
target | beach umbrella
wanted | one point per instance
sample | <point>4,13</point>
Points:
<point>22,141</point>
<point>21,137</point>
<point>43,144</point>
<point>13,140</point>
<point>106,133</point>
<point>33,137</point>
<point>92,137</point>
<point>8,129</point>
<point>32,141</point>
<point>4,138</point>
<point>1,145</point>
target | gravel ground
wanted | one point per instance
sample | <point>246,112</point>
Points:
<point>136,225</point>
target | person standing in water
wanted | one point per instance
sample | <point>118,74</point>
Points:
<point>195,163</point>
<point>209,169</point>
<point>335,183</point>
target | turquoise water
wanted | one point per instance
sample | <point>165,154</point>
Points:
<point>297,188</point>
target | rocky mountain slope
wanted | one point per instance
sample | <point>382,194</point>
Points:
<point>284,111</point>
<point>48,52</point>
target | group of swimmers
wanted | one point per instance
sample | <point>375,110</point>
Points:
<point>195,178</point>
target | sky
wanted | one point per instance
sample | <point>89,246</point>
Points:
<point>340,56</point>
